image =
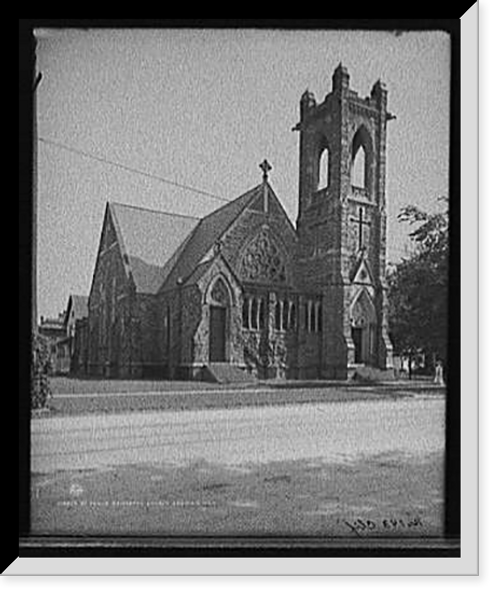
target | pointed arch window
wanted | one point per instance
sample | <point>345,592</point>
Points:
<point>262,319</point>
<point>313,320</point>
<point>263,261</point>
<point>219,293</point>
<point>277,315</point>
<point>313,316</point>
<point>286,315</point>
<point>254,314</point>
<point>293,316</point>
<point>319,317</point>
<point>246,313</point>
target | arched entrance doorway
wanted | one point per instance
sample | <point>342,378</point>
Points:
<point>363,328</point>
<point>219,314</point>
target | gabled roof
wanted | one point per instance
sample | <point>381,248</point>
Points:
<point>149,239</point>
<point>160,248</point>
<point>202,267</point>
<point>206,233</point>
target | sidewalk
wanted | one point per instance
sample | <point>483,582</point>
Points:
<point>180,397</point>
<point>411,385</point>
<point>68,386</point>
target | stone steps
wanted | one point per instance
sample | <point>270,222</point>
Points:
<point>371,374</point>
<point>226,373</point>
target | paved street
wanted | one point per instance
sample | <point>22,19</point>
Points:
<point>365,467</point>
<point>334,432</point>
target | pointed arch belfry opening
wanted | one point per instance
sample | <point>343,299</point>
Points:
<point>363,319</point>
<point>323,177</point>
<point>323,166</point>
<point>358,172</point>
<point>361,160</point>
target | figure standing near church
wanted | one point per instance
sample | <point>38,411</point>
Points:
<point>438,373</point>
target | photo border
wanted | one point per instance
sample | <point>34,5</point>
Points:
<point>461,475</point>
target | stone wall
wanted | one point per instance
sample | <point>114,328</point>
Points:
<point>115,344</point>
<point>329,240</point>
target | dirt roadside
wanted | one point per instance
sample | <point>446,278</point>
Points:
<point>78,397</point>
<point>385,495</point>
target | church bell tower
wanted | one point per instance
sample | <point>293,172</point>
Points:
<point>342,222</point>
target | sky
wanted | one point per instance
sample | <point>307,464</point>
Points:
<point>128,115</point>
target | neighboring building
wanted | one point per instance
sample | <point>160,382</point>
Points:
<point>54,330</point>
<point>79,361</point>
<point>76,311</point>
<point>244,286</point>
<point>61,333</point>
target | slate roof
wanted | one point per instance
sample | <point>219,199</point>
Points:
<point>149,239</point>
<point>162,248</point>
<point>206,233</point>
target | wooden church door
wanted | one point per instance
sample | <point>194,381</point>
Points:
<point>217,346</point>
<point>363,327</point>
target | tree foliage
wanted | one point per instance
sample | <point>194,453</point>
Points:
<point>41,368</point>
<point>418,286</point>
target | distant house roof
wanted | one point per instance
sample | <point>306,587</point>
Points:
<point>52,323</point>
<point>162,248</point>
<point>52,327</point>
<point>80,305</point>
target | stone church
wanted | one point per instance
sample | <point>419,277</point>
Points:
<point>245,288</point>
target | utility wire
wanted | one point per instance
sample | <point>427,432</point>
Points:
<point>133,170</point>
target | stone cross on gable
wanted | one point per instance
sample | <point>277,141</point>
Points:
<point>265,166</point>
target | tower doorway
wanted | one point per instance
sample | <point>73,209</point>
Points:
<point>357,338</point>
<point>363,329</point>
<point>363,339</point>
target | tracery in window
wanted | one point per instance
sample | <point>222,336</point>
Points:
<point>263,260</point>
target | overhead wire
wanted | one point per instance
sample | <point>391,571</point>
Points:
<point>133,170</point>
